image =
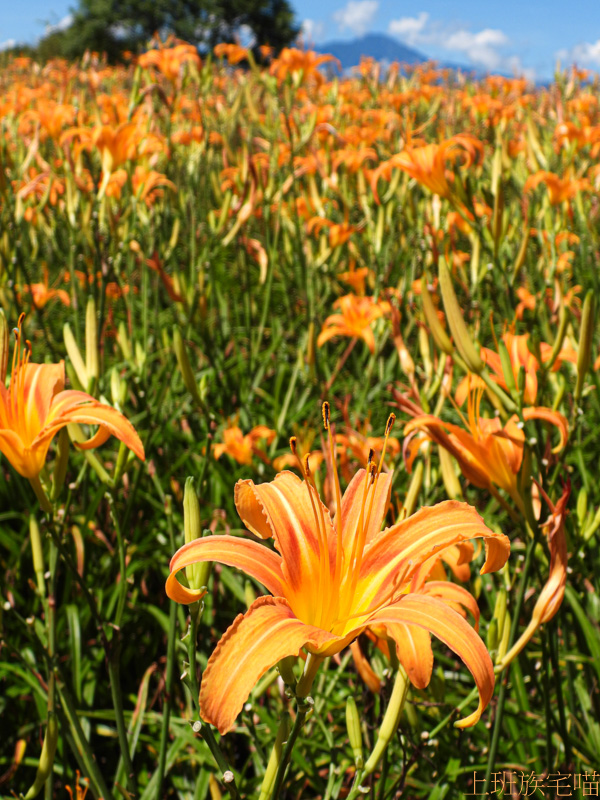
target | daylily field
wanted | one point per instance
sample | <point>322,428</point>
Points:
<point>299,414</point>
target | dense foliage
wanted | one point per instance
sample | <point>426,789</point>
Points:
<point>214,251</point>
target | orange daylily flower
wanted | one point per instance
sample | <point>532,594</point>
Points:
<point>489,453</point>
<point>551,596</point>
<point>36,406</point>
<point>41,293</point>
<point>234,53</point>
<point>520,356</point>
<point>170,60</point>
<point>559,189</point>
<point>243,448</point>
<point>427,163</point>
<point>331,579</point>
<point>357,315</point>
<point>303,65</point>
<point>356,278</point>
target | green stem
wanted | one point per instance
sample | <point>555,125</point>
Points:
<point>502,694</point>
<point>305,706</point>
<point>164,732</point>
<point>115,689</point>
<point>201,727</point>
<point>122,563</point>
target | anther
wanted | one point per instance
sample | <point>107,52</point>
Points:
<point>294,445</point>
<point>307,465</point>
<point>370,458</point>
<point>326,415</point>
<point>390,423</point>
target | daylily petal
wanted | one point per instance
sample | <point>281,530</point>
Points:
<point>408,544</point>
<point>42,383</point>
<point>447,625</point>
<point>352,502</point>
<point>554,418</point>
<point>283,509</point>
<point>71,406</point>
<point>253,558</point>
<point>254,643</point>
<point>11,446</point>
<point>414,651</point>
<point>455,596</point>
<point>364,668</point>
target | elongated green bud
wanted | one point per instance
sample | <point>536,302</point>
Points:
<point>390,720</point>
<point>286,669</point>
<point>591,529</point>
<point>413,491</point>
<point>354,732</point>
<point>37,554</point>
<point>458,328</point>
<point>449,476</point>
<point>124,343</point>
<point>196,574</point>
<point>440,337</point>
<point>500,611</point>
<point>582,504</point>
<point>4,347</point>
<point>249,593</point>
<point>268,784</point>
<point>60,465</point>
<point>75,356</point>
<point>584,353</point>
<point>492,635</point>
<point>503,645</point>
<point>184,365</point>
<point>91,344</point>
<point>46,761</point>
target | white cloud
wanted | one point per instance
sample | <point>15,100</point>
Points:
<point>61,25</point>
<point>357,15</point>
<point>409,29</point>
<point>481,49</point>
<point>8,44</point>
<point>585,53</point>
<point>313,30</point>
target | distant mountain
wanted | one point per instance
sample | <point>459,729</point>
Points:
<point>373,45</point>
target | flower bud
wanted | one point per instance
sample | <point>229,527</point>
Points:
<point>458,328</point>
<point>449,476</point>
<point>196,574</point>
<point>586,335</point>
<point>354,732</point>
<point>440,337</point>
<point>91,344</point>
<point>75,356</point>
<point>390,720</point>
<point>37,553</point>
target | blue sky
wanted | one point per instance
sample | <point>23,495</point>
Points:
<point>513,35</point>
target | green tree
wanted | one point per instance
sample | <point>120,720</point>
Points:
<point>112,26</point>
